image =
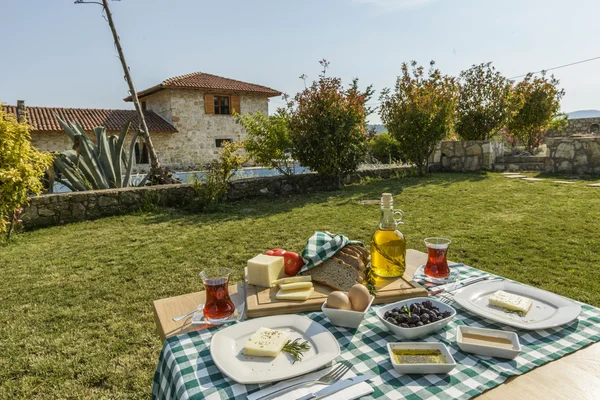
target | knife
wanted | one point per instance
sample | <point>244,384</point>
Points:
<point>457,285</point>
<point>336,387</point>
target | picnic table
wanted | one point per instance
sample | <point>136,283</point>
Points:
<point>557,363</point>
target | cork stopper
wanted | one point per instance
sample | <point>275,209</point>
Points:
<point>387,200</point>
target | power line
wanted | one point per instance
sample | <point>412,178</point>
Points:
<point>560,66</point>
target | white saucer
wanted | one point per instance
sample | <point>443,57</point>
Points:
<point>420,276</point>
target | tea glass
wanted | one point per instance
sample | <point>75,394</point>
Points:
<point>437,265</point>
<point>218,306</point>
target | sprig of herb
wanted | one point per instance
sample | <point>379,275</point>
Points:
<point>296,348</point>
<point>370,280</point>
<point>519,313</point>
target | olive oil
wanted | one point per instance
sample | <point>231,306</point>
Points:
<point>388,245</point>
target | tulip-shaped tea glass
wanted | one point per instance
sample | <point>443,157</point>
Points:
<point>437,265</point>
<point>218,307</point>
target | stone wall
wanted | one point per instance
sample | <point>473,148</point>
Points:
<point>573,155</point>
<point>64,208</point>
<point>521,163</point>
<point>194,144</point>
<point>579,126</point>
<point>466,155</point>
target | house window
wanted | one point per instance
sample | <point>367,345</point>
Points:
<point>219,142</point>
<point>595,129</point>
<point>222,105</point>
<point>141,153</point>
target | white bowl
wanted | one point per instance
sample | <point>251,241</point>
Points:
<point>418,331</point>
<point>424,368</point>
<point>488,350</point>
<point>345,318</point>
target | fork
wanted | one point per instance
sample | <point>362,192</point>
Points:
<point>331,377</point>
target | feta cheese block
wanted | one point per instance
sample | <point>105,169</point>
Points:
<point>303,294</point>
<point>295,286</point>
<point>264,270</point>
<point>511,302</point>
<point>266,342</point>
<point>294,279</point>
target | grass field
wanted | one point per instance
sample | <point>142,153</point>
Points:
<point>76,316</point>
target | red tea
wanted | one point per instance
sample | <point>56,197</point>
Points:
<point>437,265</point>
<point>218,304</point>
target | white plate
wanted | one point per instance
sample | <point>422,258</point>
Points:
<point>549,310</point>
<point>227,345</point>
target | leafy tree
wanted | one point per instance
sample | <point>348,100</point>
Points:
<point>268,139</point>
<point>328,125</point>
<point>418,113</point>
<point>483,102</point>
<point>385,148</point>
<point>22,168</point>
<point>535,103</point>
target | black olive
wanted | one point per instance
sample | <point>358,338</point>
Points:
<point>391,320</point>
<point>397,310</point>
<point>427,304</point>
<point>405,325</point>
<point>387,314</point>
<point>414,307</point>
<point>411,325</point>
<point>424,318</point>
<point>402,318</point>
<point>413,319</point>
<point>446,314</point>
<point>419,323</point>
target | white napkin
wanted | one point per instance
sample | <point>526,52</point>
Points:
<point>350,393</point>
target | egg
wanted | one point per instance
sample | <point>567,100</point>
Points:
<point>339,300</point>
<point>359,297</point>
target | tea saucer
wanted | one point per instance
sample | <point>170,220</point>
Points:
<point>199,319</point>
<point>420,276</point>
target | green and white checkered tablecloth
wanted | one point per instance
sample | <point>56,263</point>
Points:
<point>186,371</point>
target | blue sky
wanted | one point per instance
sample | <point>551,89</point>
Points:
<point>55,53</point>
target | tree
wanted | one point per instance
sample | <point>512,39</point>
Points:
<point>268,139</point>
<point>158,175</point>
<point>22,168</point>
<point>483,102</point>
<point>385,148</point>
<point>418,113</point>
<point>535,103</point>
<point>328,125</point>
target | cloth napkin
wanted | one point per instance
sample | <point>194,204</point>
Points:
<point>323,245</point>
<point>350,393</point>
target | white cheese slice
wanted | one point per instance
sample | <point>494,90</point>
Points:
<point>511,302</point>
<point>294,279</point>
<point>266,343</point>
<point>294,294</point>
<point>295,286</point>
<point>264,270</point>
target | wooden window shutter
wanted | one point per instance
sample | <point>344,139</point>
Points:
<point>235,104</point>
<point>209,104</point>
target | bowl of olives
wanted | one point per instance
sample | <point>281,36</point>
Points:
<point>415,318</point>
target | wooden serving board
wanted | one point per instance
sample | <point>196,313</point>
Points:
<point>261,301</point>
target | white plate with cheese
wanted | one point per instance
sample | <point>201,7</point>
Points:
<point>547,310</point>
<point>227,349</point>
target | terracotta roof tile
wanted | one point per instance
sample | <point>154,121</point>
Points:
<point>43,119</point>
<point>200,80</point>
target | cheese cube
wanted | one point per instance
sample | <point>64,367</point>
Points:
<point>264,270</point>
<point>294,279</point>
<point>510,301</point>
<point>295,286</point>
<point>266,343</point>
<point>294,294</point>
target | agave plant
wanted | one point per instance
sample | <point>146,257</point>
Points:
<point>101,165</point>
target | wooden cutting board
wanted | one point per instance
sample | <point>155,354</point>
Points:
<point>261,301</point>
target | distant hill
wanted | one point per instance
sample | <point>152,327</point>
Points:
<point>584,114</point>
<point>378,128</point>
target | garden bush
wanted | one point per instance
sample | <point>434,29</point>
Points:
<point>384,148</point>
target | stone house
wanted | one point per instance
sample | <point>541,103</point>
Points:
<point>578,127</point>
<point>189,117</point>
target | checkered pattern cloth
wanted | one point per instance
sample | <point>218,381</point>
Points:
<point>186,370</point>
<point>323,245</point>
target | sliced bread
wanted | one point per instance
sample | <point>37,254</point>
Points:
<point>336,274</point>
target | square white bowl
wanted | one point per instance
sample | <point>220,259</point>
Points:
<point>425,368</point>
<point>346,318</point>
<point>492,351</point>
<point>419,331</point>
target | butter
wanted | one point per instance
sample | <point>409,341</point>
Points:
<point>511,302</point>
<point>266,343</point>
<point>294,294</point>
<point>264,270</point>
<point>295,286</point>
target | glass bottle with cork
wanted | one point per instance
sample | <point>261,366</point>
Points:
<point>388,245</point>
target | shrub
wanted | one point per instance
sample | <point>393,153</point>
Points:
<point>22,168</point>
<point>535,104</point>
<point>483,102</point>
<point>268,139</point>
<point>384,148</point>
<point>211,189</point>
<point>328,126</point>
<point>418,113</point>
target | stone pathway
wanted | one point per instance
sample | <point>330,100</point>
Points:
<point>564,182</point>
<point>515,176</point>
<point>595,185</point>
<point>532,179</point>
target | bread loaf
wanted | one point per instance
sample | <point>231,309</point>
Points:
<point>343,270</point>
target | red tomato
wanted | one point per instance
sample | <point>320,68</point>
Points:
<point>270,252</point>
<point>292,262</point>
<point>278,252</point>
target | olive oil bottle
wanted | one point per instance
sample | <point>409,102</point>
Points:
<point>388,245</point>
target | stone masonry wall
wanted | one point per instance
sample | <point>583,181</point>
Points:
<point>578,126</point>
<point>573,155</point>
<point>466,155</point>
<point>55,209</point>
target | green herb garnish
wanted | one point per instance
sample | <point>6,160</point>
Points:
<point>370,280</point>
<point>296,348</point>
<point>519,313</point>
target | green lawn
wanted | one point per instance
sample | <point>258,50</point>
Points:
<point>76,301</point>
